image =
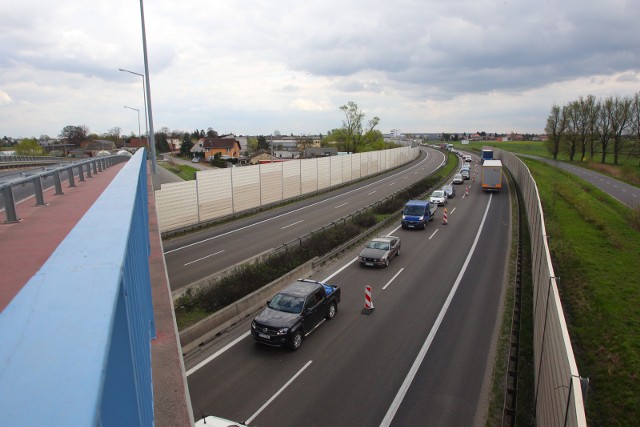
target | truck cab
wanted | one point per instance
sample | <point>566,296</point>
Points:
<point>416,213</point>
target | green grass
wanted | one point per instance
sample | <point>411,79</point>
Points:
<point>628,169</point>
<point>595,248</point>
<point>185,172</point>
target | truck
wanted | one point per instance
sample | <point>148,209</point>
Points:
<point>491,175</point>
<point>416,213</point>
<point>296,311</point>
<point>487,154</point>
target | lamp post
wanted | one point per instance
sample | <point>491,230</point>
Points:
<point>135,109</point>
<point>152,140</point>
<point>144,94</point>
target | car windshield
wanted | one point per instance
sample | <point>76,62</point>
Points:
<point>437,194</point>
<point>414,210</point>
<point>378,245</point>
<point>287,303</point>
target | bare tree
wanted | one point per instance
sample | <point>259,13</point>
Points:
<point>635,122</point>
<point>574,127</point>
<point>620,124</point>
<point>588,115</point>
<point>604,126</point>
<point>556,125</point>
<point>353,126</point>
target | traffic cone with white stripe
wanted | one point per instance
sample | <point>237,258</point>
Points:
<point>368,302</point>
<point>444,217</point>
<point>466,191</point>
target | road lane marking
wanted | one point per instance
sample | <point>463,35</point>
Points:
<point>218,353</point>
<point>404,388</point>
<point>434,233</point>
<point>339,206</point>
<point>200,259</point>
<point>291,225</point>
<point>392,279</point>
<point>296,210</point>
<point>371,192</point>
<point>268,402</point>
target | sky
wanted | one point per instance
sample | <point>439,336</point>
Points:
<point>256,67</point>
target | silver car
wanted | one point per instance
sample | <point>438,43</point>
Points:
<point>438,197</point>
<point>379,251</point>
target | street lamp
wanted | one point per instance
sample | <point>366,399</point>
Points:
<point>152,139</point>
<point>144,94</point>
<point>135,109</point>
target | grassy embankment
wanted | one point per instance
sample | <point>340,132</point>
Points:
<point>183,171</point>
<point>595,245</point>
<point>627,170</point>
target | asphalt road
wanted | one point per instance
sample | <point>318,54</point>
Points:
<point>623,192</point>
<point>423,357</point>
<point>197,256</point>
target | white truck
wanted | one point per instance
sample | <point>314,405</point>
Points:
<point>491,175</point>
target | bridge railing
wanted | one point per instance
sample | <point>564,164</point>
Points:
<point>559,395</point>
<point>70,172</point>
<point>76,340</point>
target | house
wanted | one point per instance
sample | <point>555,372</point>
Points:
<point>209,147</point>
<point>320,152</point>
<point>137,143</point>
<point>260,157</point>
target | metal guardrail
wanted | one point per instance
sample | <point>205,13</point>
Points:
<point>81,168</point>
<point>76,340</point>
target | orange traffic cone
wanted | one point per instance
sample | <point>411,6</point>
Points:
<point>444,217</point>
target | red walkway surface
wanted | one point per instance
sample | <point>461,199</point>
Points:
<point>26,245</point>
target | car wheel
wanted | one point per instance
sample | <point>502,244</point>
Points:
<point>386,262</point>
<point>398,253</point>
<point>332,311</point>
<point>296,341</point>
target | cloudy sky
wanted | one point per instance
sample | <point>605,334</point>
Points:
<point>257,66</point>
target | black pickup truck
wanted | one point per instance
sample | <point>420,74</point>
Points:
<point>295,312</point>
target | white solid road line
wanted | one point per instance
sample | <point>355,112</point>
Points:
<point>268,402</point>
<point>404,388</point>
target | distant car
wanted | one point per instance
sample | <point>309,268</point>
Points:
<point>379,251</point>
<point>467,158</point>
<point>195,160</point>
<point>438,197</point>
<point>458,179</point>
<point>466,165</point>
<point>449,190</point>
<point>465,173</point>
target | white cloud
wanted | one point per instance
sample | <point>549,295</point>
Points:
<point>252,67</point>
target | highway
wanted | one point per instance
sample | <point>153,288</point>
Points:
<point>423,357</point>
<point>197,256</point>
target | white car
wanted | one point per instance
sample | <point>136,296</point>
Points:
<point>458,179</point>
<point>438,197</point>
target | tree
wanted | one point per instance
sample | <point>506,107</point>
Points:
<point>604,126</point>
<point>555,128</point>
<point>29,147</point>
<point>353,126</point>
<point>635,122</point>
<point>74,134</point>
<point>162,145</point>
<point>574,126</point>
<point>211,133</point>
<point>620,124</point>
<point>263,144</point>
<point>186,146</point>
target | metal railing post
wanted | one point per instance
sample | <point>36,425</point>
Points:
<point>9,205</point>
<point>58,182</point>
<point>37,190</point>
<point>81,171</point>
<point>72,181</point>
